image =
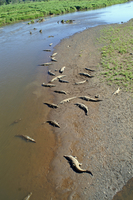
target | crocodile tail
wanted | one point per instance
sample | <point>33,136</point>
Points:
<point>89,172</point>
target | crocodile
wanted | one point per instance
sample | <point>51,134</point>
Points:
<point>97,95</point>
<point>16,121</point>
<point>57,77</point>
<point>61,76</point>
<point>87,98</point>
<point>82,106</point>
<point>63,81</point>
<point>28,197</point>
<point>50,36</point>
<point>51,73</point>
<point>54,54</point>
<point>86,74</point>
<point>62,69</point>
<point>45,64</point>
<point>48,85</point>
<point>54,79</point>
<point>117,91</point>
<point>78,83</point>
<point>75,164</point>
<point>51,105</point>
<point>47,50</point>
<point>27,138</point>
<point>53,59</point>
<point>91,70</point>
<point>67,100</point>
<point>53,123</point>
<point>60,91</point>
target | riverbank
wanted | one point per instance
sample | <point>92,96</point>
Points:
<point>13,13</point>
<point>101,140</point>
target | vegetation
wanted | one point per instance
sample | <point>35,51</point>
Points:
<point>25,10</point>
<point>117,55</point>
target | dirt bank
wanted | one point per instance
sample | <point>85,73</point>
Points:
<point>101,140</point>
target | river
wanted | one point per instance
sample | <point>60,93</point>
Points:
<point>24,165</point>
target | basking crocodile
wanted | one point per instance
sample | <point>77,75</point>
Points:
<point>54,54</point>
<point>86,74</point>
<point>62,69</point>
<point>87,98</point>
<point>54,59</point>
<point>51,105</point>
<point>91,70</point>
<point>67,100</point>
<point>76,165</point>
<point>57,77</point>
<point>60,91</point>
<point>63,81</point>
<point>117,91</point>
<point>28,197</point>
<point>82,106</point>
<point>81,82</point>
<point>53,123</point>
<point>48,85</point>
<point>51,73</point>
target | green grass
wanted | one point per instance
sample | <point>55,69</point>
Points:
<point>24,11</point>
<point>117,55</point>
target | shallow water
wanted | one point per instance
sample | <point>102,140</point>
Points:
<point>126,193</point>
<point>24,165</point>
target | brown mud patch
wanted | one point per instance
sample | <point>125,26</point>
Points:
<point>102,140</point>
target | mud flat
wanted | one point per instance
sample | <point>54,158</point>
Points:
<point>101,140</point>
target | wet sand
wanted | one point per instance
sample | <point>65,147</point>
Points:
<point>101,140</point>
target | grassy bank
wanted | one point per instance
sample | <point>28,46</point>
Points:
<point>117,55</point>
<point>24,11</point>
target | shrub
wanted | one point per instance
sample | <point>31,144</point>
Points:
<point>72,9</point>
<point>32,21</point>
<point>12,19</point>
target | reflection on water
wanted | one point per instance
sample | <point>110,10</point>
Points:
<point>24,165</point>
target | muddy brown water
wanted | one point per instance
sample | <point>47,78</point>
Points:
<point>25,166</point>
<point>126,192</point>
